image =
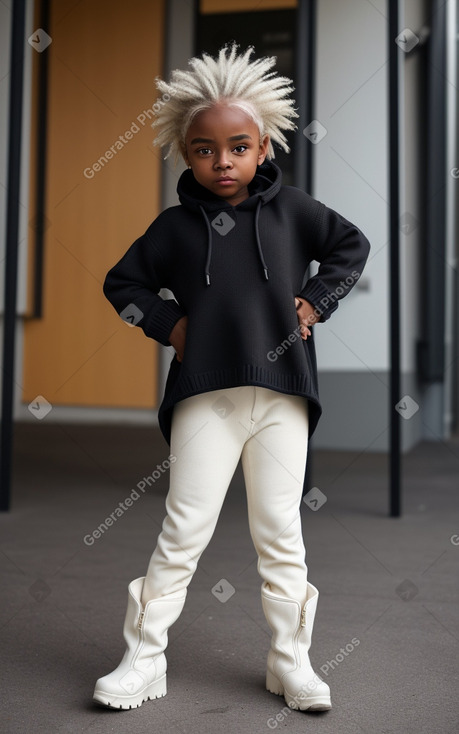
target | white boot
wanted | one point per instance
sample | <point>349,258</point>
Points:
<point>289,669</point>
<point>141,675</point>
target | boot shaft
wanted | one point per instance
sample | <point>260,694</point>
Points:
<point>290,622</point>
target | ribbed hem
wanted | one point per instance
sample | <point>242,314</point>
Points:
<point>188,385</point>
<point>244,375</point>
<point>319,296</point>
<point>163,320</point>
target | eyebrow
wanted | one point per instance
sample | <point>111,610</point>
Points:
<point>244,136</point>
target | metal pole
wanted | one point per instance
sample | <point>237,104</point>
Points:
<point>41,137</point>
<point>394,217</point>
<point>304,95</point>
<point>304,92</point>
<point>11,259</point>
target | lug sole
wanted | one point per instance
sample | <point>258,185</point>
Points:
<point>156,689</point>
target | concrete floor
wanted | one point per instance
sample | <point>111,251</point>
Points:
<point>388,591</point>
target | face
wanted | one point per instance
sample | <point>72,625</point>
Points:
<point>223,148</point>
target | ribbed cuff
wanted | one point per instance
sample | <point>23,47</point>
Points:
<point>163,320</point>
<point>320,297</point>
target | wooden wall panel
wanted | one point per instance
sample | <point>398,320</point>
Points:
<point>103,59</point>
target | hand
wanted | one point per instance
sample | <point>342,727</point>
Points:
<point>307,316</point>
<point>177,337</point>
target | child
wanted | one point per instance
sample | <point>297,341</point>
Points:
<point>243,381</point>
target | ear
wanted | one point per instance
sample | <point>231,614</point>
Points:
<point>264,143</point>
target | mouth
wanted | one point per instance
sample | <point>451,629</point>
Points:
<point>225,180</point>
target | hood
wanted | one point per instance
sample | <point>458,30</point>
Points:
<point>264,186</point>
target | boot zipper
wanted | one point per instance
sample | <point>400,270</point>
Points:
<point>141,640</point>
<point>296,637</point>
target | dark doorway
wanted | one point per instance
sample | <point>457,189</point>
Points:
<point>272,33</point>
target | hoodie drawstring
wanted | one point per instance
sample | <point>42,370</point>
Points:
<point>257,236</point>
<point>209,245</point>
<point>209,242</point>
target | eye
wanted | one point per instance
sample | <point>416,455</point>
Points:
<point>241,148</point>
<point>204,151</point>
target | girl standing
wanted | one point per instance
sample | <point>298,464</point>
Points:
<point>243,380</point>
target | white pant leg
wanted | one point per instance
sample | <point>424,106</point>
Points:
<point>207,439</point>
<point>274,462</point>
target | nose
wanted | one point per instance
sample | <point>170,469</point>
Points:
<point>222,161</point>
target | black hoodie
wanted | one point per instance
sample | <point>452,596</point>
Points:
<point>235,272</point>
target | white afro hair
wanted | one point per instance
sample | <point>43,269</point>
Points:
<point>260,93</point>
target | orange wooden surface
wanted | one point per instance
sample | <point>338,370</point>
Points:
<point>103,59</point>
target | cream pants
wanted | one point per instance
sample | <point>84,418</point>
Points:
<point>268,431</point>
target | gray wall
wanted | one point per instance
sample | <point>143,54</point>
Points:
<point>351,176</point>
<point>179,48</point>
